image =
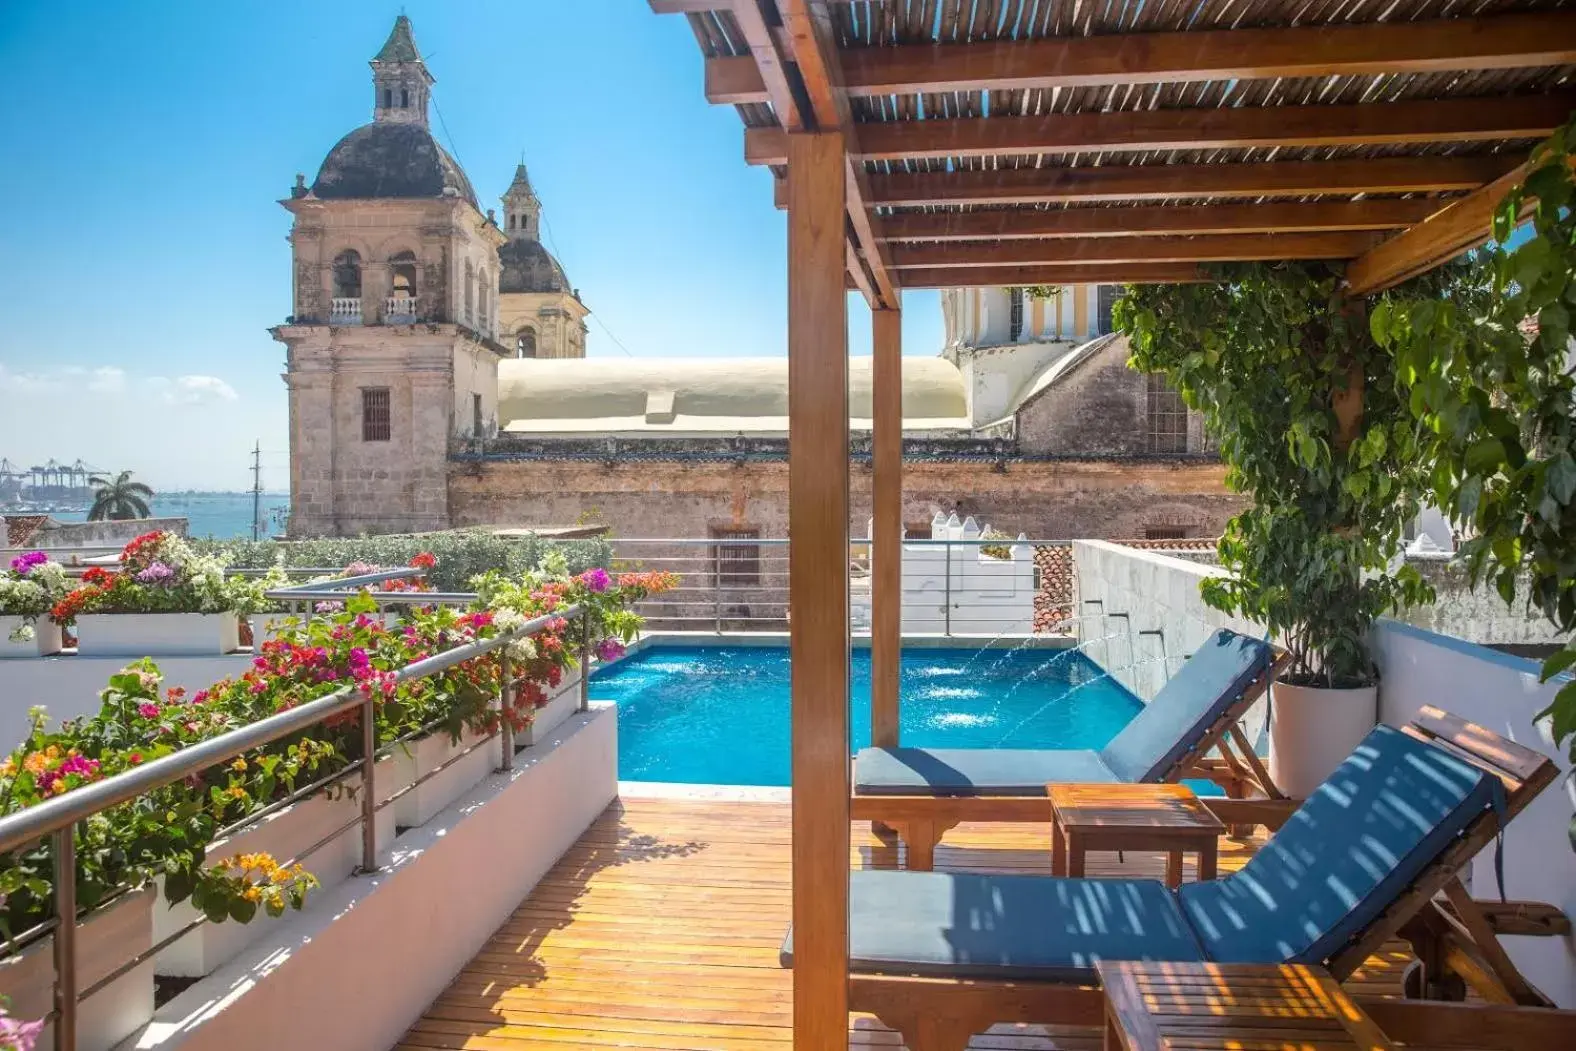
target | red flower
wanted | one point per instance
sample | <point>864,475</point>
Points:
<point>425,560</point>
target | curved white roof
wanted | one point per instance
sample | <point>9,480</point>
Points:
<point>701,396</point>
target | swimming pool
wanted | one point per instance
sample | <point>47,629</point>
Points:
<point>719,714</point>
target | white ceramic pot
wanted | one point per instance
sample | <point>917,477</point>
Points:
<point>105,940</point>
<point>284,835</point>
<point>158,634</point>
<point>47,638</point>
<point>1312,730</point>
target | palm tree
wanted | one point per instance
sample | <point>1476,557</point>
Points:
<point>119,499</point>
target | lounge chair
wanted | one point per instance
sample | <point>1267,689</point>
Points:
<point>940,956</point>
<point>922,792</point>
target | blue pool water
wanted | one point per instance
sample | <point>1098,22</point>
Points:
<point>719,714</point>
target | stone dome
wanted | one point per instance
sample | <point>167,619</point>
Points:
<point>527,266</point>
<point>386,159</point>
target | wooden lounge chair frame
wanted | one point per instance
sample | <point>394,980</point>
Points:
<point>941,1014</point>
<point>1251,796</point>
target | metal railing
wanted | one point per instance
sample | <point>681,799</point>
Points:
<point>57,818</point>
<point>740,584</point>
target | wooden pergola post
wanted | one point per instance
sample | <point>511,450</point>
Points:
<point>818,585</point>
<point>886,556</point>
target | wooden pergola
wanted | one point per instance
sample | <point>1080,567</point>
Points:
<point>948,143</point>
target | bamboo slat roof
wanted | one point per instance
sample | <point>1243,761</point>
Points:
<point>983,133</point>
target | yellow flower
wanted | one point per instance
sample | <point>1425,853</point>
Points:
<point>237,792</point>
<point>35,763</point>
<point>238,765</point>
<point>53,751</point>
<point>8,768</point>
<point>252,894</point>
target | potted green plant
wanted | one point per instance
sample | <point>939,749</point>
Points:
<point>1310,426</point>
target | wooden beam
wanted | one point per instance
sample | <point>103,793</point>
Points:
<point>1158,219</point>
<point>1431,46</point>
<point>808,25</point>
<point>1059,274</point>
<point>770,64</point>
<point>1386,123</point>
<point>818,585</point>
<point>1463,225</point>
<point>1214,248</point>
<point>1161,181</point>
<point>1433,1023</point>
<point>886,556</point>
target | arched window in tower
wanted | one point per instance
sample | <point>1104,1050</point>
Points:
<point>345,308</point>
<point>525,343</point>
<point>470,294</point>
<point>401,306</point>
<point>388,98</point>
<point>404,98</point>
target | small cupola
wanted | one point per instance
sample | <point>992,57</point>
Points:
<point>400,81</point>
<point>522,209</point>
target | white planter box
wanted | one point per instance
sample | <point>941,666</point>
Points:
<point>47,638</point>
<point>418,757</point>
<point>561,704</point>
<point>105,941</point>
<point>284,835</point>
<point>157,634</point>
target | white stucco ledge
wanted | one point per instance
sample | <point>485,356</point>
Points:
<point>356,969</point>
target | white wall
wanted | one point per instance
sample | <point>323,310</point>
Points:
<point>1122,594</point>
<point>1501,692</point>
<point>69,686</point>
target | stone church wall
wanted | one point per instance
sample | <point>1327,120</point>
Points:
<point>1062,499</point>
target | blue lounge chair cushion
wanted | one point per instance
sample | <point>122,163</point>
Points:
<point>1194,699</point>
<point>1350,850</point>
<point>973,771</point>
<point>964,925</point>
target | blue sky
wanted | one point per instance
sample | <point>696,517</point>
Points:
<point>150,142</point>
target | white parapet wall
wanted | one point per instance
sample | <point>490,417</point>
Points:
<point>1139,613</point>
<point>361,964</point>
<point>1501,692</point>
<point>68,687</point>
<point>957,589</point>
<point>1159,593</point>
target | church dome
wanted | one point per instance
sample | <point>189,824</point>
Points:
<point>385,159</point>
<point>527,266</point>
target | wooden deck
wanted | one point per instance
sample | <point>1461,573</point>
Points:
<point>660,929</point>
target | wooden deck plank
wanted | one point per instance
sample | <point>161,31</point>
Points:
<point>659,930</point>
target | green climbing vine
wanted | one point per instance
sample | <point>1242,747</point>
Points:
<point>1495,395</point>
<point>1305,410</point>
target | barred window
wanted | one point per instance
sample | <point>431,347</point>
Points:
<point>375,414</point>
<point>1105,298</point>
<point>737,565</point>
<point>1165,533</point>
<point>1167,417</point>
<point>1015,314</point>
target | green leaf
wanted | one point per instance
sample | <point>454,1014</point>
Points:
<point>1557,663</point>
<point>1485,456</point>
<point>241,910</point>
<point>1560,478</point>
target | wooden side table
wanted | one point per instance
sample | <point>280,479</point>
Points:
<point>1166,817</point>
<point>1219,1007</point>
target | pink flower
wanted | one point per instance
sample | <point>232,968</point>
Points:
<point>148,711</point>
<point>609,649</point>
<point>595,579</point>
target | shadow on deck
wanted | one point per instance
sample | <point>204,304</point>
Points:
<point>660,929</point>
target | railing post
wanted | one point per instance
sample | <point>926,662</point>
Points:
<point>65,940</point>
<point>506,703</point>
<point>585,662</point>
<point>369,802</point>
<point>716,590</point>
<point>948,590</point>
